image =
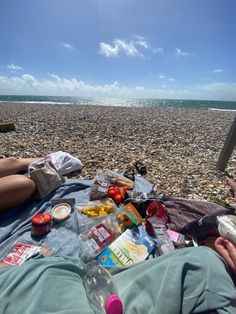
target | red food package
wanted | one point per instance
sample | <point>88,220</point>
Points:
<point>102,235</point>
<point>155,208</point>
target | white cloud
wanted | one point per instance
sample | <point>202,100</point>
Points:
<point>142,42</point>
<point>158,50</point>
<point>107,50</point>
<point>171,79</point>
<point>162,76</point>
<point>59,86</point>
<point>180,53</point>
<point>68,46</point>
<point>14,67</point>
<point>29,79</point>
<point>54,76</point>
<point>132,48</point>
<point>118,46</point>
<point>128,48</point>
<point>217,71</point>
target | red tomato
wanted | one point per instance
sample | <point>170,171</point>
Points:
<point>111,193</point>
<point>118,198</point>
<point>126,188</point>
<point>114,188</point>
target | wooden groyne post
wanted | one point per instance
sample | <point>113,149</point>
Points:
<point>227,148</point>
<point>7,126</point>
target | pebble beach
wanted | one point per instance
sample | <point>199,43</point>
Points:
<point>180,147</point>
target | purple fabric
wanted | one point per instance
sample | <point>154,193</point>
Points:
<point>183,212</point>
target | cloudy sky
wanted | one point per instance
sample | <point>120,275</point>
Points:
<point>181,49</point>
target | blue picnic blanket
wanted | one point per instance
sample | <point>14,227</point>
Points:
<point>15,224</point>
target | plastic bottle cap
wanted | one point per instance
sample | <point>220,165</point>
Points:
<point>113,305</point>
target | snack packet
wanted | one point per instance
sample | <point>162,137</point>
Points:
<point>99,188</point>
<point>118,180</point>
<point>21,252</point>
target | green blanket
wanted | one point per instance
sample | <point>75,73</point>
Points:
<point>190,280</point>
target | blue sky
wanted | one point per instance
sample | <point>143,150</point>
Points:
<point>182,49</point>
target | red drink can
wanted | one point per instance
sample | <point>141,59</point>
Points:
<point>41,224</point>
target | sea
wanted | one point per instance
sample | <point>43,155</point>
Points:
<point>123,102</point>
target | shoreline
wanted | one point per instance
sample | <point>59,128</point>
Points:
<point>180,147</point>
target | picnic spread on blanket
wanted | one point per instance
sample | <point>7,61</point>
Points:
<point>118,221</point>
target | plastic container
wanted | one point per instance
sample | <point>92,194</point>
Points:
<point>99,188</point>
<point>61,211</point>
<point>41,224</point>
<point>98,208</point>
<point>101,290</point>
<point>92,242</point>
<point>118,180</point>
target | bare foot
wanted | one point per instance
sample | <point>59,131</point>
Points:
<point>228,251</point>
<point>232,185</point>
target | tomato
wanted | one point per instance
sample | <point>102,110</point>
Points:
<point>126,188</point>
<point>116,188</point>
<point>111,193</point>
<point>118,198</point>
<point>113,188</point>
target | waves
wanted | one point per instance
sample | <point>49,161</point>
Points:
<point>122,102</point>
<point>219,109</point>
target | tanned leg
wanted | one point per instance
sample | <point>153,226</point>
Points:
<point>11,165</point>
<point>14,190</point>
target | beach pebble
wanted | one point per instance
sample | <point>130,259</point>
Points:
<point>180,147</point>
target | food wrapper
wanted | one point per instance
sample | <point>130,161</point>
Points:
<point>99,188</point>
<point>118,180</point>
<point>97,208</point>
<point>22,252</point>
<point>227,227</point>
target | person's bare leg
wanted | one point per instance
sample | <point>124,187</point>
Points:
<point>14,190</point>
<point>232,185</point>
<point>11,165</point>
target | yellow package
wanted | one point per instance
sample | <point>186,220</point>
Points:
<point>97,208</point>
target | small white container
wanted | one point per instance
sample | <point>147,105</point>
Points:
<point>61,211</point>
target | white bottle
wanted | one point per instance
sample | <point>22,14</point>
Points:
<point>100,289</point>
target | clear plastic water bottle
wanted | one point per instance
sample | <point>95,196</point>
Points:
<point>101,290</point>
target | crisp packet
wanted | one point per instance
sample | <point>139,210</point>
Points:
<point>21,252</point>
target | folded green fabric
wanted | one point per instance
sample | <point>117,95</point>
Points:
<point>189,280</point>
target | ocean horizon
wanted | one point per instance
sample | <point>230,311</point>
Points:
<point>122,102</point>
